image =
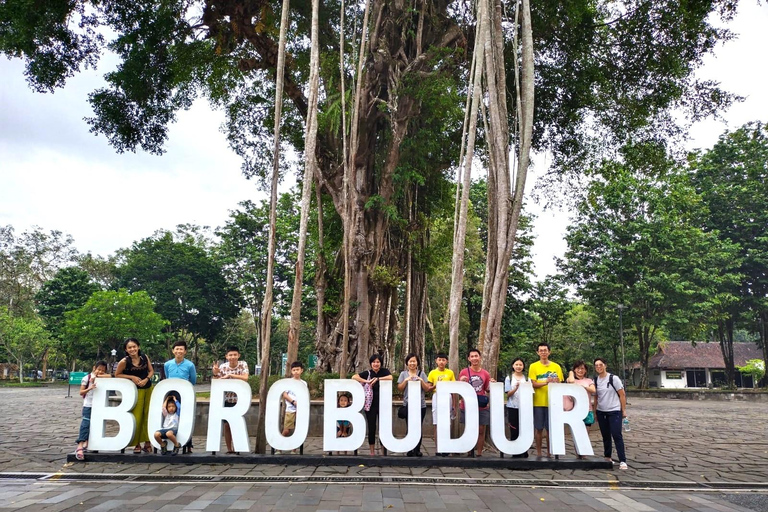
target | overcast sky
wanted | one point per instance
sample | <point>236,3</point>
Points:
<point>57,175</point>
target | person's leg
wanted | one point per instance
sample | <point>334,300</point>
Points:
<point>417,450</point>
<point>617,435</point>
<point>605,432</point>
<point>371,417</point>
<point>140,413</point>
<point>484,418</point>
<point>228,437</point>
<point>171,435</point>
<point>538,427</point>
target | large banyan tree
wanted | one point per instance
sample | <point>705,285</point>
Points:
<point>399,84</point>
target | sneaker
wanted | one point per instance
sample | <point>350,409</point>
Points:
<point>295,451</point>
<point>623,465</point>
<point>164,448</point>
<point>175,450</point>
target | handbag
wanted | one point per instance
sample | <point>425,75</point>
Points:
<point>402,412</point>
<point>482,400</point>
<point>590,419</point>
<point>368,390</point>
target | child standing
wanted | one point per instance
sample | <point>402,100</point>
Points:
<point>289,421</point>
<point>170,426</point>
<point>87,385</point>
<point>439,374</point>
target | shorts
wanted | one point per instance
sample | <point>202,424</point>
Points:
<point>289,423</point>
<point>164,432</point>
<point>230,404</point>
<point>541,418</point>
<point>485,416</point>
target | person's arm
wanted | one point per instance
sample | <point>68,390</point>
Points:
<point>243,375</point>
<point>571,378</point>
<point>85,388</point>
<point>151,369</point>
<point>386,377</point>
<point>193,374</point>
<point>591,388</point>
<point>215,370</point>
<point>425,385</point>
<point>402,381</point>
<point>119,373</point>
<point>623,400</point>
<point>288,398</point>
<point>359,379</point>
<point>463,377</point>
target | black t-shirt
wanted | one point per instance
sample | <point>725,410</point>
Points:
<point>141,371</point>
<point>370,374</point>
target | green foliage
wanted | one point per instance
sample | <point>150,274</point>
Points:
<point>69,289</point>
<point>27,261</point>
<point>23,339</point>
<point>637,241</point>
<point>108,318</point>
<point>187,284</point>
<point>754,367</point>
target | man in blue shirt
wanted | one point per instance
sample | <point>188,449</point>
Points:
<point>180,368</point>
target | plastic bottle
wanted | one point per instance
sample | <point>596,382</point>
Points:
<point>625,423</point>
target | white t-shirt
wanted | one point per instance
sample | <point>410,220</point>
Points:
<point>171,421</point>
<point>88,398</point>
<point>607,397</point>
<point>289,407</point>
<point>510,383</point>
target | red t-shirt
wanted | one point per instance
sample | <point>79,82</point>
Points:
<point>480,381</point>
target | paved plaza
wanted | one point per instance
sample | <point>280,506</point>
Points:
<point>683,455</point>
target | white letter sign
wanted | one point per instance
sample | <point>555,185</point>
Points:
<point>468,439</point>
<point>101,412</point>
<point>525,434</point>
<point>352,414</point>
<point>186,410</point>
<point>574,418</point>
<point>235,416</point>
<point>272,414</point>
<point>413,435</point>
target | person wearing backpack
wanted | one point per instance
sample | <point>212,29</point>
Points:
<point>610,409</point>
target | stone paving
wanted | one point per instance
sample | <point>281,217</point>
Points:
<point>54,497</point>
<point>671,442</point>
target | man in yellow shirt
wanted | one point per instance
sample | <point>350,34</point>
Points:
<point>441,373</point>
<point>541,373</point>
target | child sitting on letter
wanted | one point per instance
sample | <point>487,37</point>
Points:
<point>170,426</point>
<point>343,427</point>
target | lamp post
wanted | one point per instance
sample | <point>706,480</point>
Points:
<point>621,337</point>
<point>112,366</point>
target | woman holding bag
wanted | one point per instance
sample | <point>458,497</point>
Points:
<point>371,378</point>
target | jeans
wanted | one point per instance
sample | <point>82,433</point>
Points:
<point>610,427</point>
<point>85,426</point>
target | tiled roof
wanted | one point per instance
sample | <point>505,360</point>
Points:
<point>678,355</point>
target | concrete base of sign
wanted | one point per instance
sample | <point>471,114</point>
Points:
<point>456,460</point>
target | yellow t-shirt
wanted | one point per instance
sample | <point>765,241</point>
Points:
<point>436,376</point>
<point>539,372</point>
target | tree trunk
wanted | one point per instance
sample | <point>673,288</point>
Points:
<point>725,335</point>
<point>310,168</point>
<point>460,226</point>
<point>505,192</point>
<point>266,310</point>
<point>762,327</point>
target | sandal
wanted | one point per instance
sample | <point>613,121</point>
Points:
<point>79,455</point>
<point>147,449</point>
<point>137,450</point>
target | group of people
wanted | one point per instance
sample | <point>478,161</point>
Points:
<point>137,368</point>
<point>608,401</point>
<point>606,392</point>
